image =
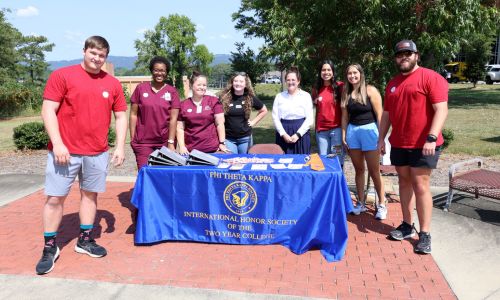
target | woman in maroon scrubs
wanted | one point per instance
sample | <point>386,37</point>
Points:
<point>200,124</point>
<point>153,113</point>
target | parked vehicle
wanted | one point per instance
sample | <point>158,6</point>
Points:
<point>272,80</point>
<point>457,71</point>
<point>493,75</point>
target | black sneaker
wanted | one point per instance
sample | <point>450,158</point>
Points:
<point>47,262</point>
<point>424,243</point>
<point>403,231</point>
<point>90,248</point>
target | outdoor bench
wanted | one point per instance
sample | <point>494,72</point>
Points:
<point>475,180</point>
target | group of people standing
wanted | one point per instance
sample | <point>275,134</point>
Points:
<point>78,101</point>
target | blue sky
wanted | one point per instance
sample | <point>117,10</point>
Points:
<point>68,23</point>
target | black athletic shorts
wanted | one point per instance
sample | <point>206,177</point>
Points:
<point>414,158</point>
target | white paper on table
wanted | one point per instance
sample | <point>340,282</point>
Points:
<point>259,167</point>
<point>278,166</point>
<point>285,160</point>
<point>237,167</point>
<point>295,166</point>
<point>223,166</point>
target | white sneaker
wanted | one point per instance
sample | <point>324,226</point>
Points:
<point>381,212</point>
<point>359,208</point>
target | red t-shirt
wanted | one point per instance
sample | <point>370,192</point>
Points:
<point>200,132</point>
<point>153,115</point>
<point>328,112</point>
<point>86,102</point>
<point>409,99</point>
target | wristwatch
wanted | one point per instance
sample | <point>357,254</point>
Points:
<point>170,141</point>
<point>222,143</point>
<point>431,138</point>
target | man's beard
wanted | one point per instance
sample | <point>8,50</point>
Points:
<point>411,65</point>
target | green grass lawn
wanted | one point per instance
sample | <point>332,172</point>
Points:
<point>474,118</point>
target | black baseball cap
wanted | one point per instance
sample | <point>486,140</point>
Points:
<point>405,45</point>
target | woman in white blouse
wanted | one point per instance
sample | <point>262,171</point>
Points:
<point>293,116</point>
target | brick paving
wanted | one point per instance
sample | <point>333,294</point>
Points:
<point>373,266</point>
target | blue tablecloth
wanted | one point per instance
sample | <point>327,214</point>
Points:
<point>299,209</point>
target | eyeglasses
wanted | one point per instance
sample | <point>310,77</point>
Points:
<point>159,71</point>
<point>407,53</point>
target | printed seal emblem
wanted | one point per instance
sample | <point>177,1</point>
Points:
<point>240,198</point>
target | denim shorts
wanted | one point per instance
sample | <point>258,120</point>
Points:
<point>362,137</point>
<point>91,171</point>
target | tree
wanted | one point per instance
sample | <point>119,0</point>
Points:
<point>304,32</point>
<point>174,38</point>
<point>9,38</point>
<point>201,59</point>
<point>219,75</point>
<point>477,52</point>
<point>245,60</point>
<point>31,50</point>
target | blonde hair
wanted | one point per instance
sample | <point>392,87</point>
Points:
<point>360,94</point>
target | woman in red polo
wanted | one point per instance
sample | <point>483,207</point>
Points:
<point>200,124</point>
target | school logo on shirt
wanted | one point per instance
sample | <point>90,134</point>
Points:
<point>189,110</point>
<point>167,96</point>
<point>393,89</point>
<point>105,94</point>
<point>240,198</point>
<point>208,107</point>
<point>145,95</point>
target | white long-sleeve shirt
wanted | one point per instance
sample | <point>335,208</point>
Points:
<point>293,107</point>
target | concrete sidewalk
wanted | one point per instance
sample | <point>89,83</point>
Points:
<point>465,250</point>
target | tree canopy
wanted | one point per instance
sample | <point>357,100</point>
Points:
<point>21,57</point>
<point>9,37</point>
<point>304,32</point>
<point>245,60</point>
<point>174,38</point>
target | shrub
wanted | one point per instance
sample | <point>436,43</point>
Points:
<point>448,137</point>
<point>111,137</point>
<point>30,135</point>
<point>13,99</point>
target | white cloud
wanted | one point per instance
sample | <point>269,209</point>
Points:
<point>74,37</point>
<point>225,36</point>
<point>142,30</point>
<point>29,11</point>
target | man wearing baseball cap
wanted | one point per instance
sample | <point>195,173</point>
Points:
<point>416,106</point>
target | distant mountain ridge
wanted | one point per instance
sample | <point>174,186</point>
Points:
<point>128,62</point>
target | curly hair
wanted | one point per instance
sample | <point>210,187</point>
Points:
<point>226,96</point>
<point>159,60</point>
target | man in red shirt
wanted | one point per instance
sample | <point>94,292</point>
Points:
<point>76,111</point>
<point>416,105</point>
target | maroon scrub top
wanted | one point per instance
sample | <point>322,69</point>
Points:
<point>153,115</point>
<point>200,132</point>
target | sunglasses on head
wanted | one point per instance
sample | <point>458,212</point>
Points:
<point>240,74</point>
<point>407,53</point>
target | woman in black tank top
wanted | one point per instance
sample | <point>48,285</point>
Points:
<point>361,113</point>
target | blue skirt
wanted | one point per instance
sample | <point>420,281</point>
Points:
<point>302,146</point>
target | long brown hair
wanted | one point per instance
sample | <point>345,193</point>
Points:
<point>227,95</point>
<point>360,94</point>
